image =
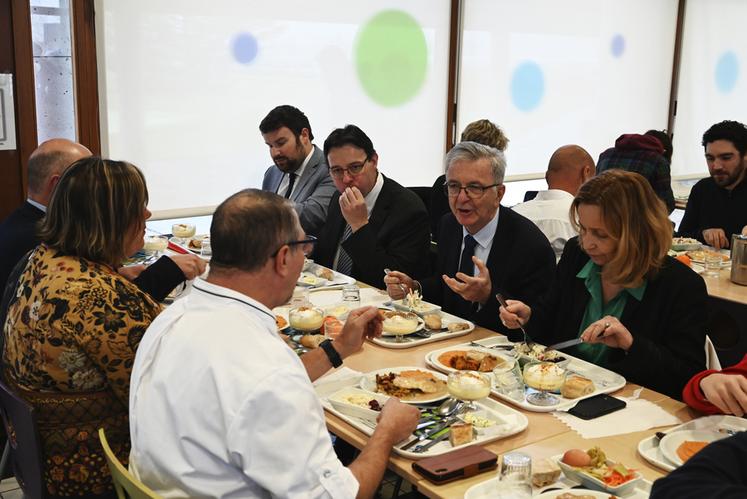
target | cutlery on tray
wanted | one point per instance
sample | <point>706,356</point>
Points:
<point>429,432</point>
<point>424,447</point>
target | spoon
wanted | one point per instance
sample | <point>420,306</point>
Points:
<point>448,407</point>
<point>401,286</point>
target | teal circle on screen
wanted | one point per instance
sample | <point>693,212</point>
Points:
<point>391,58</point>
<point>727,72</point>
<point>527,86</point>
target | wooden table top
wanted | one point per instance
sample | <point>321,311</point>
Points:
<point>723,287</point>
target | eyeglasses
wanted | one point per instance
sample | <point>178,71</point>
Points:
<point>353,169</point>
<point>307,245</point>
<point>474,191</point>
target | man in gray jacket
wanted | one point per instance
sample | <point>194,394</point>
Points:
<point>300,171</point>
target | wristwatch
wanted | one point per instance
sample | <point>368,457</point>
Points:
<point>332,354</point>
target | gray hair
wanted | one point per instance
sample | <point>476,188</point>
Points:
<point>472,151</point>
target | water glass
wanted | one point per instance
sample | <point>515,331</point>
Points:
<point>207,249</point>
<point>351,296</point>
<point>300,298</point>
<point>712,264</point>
<point>515,478</point>
<point>508,378</point>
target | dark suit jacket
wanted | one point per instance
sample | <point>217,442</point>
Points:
<point>397,236</point>
<point>521,264</point>
<point>18,237</point>
<point>668,324</point>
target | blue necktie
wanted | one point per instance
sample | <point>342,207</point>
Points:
<point>465,263</point>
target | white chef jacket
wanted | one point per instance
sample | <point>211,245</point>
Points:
<point>550,211</point>
<point>221,407</point>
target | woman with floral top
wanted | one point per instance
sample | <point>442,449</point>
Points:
<point>73,323</point>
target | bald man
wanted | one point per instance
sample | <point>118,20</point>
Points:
<point>18,232</point>
<point>569,167</point>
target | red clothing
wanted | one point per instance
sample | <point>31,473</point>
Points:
<point>693,395</point>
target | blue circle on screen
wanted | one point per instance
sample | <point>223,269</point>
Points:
<point>618,45</point>
<point>727,71</point>
<point>527,86</point>
<point>244,48</point>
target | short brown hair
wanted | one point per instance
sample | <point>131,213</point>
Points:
<point>485,132</point>
<point>250,227</point>
<point>93,208</point>
<point>635,218</point>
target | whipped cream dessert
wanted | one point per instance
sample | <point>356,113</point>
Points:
<point>467,385</point>
<point>544,376</point>
<point>400,324</point>
<point>306,318</point>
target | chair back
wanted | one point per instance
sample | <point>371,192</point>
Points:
<point>125,484</point>
<point>25,445</point>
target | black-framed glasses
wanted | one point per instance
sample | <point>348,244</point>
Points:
<point>307,245</point>
<point>353,169</point>
<point>474,191</point>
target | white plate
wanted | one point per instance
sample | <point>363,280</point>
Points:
<point>426,308</point>
<point>595,483</point>
<point>433,356</point>
<point>672,441</point>
<point>310,280</point>
<point>338,401</point>
<point>368,383</point>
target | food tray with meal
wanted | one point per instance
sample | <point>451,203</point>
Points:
<point>317,276</point>
<point>523,382</point>
<point>407,329</point>
<point>685,244</point>
<point>358,401</point>
<point>192,244</point>
<point>684,440</point>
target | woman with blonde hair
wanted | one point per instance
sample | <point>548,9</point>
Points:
<point>638,311</point>
<point>73,323</point>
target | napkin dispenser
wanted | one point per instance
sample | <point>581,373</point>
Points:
<point>460,463</point>
<point>739,259</point>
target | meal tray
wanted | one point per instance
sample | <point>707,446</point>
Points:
<point>338,280</point>
<point>605,381</point>
<point>516,422</point>
<point>413,341</point>
<point>488,489</point>
<point>649,450</point>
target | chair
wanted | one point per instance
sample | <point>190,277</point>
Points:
<point>124,483</point>
<point>25,445</point>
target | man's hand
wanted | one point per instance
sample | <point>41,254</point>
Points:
<point>515,315</point>
<point>362,323</point>
<point>610,331</point>
<point>744,230</point>
<point>397,420</point>
<point>132,272</point>
<point>397,284</point>
<point>728,392</point>
<point>192,266</point>
<point>475,289</point>
<point>716,238</point>
<point>353,207</point>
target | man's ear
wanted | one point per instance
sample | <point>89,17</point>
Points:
<point>282,260</point>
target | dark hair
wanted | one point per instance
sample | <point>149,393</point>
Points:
<point>350,135</point>
<point>666,141</point>
<point>43,164</point>
<point>733,131</point>
<point>286,116</point>
<point>93,208</point>
<point>249,227</point>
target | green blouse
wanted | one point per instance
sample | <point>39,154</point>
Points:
<point>597,353</point>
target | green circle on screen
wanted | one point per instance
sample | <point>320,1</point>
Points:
<point>391,57</point>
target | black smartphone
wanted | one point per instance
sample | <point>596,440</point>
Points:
<point>596,406</point>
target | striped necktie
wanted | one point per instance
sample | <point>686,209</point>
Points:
<point>344,262</point>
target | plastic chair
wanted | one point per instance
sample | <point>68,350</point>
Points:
<point>124,483</point>
<point>25,445</point>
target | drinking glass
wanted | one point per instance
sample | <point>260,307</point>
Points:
<point>514,480</point>
<point>207,249</point>
<point>712,264</point>
<point>508,378</point>
<point>351,296</point>
<point>544,377</point>
<point>155,245</point>
<point>468,386</point>
<point>182,232</point>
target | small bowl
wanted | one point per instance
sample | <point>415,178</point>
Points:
<point>339,402</point>
<point>594,483</point>
<point>306,319</point>
<point>423,309</point>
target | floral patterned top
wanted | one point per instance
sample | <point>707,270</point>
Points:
<point>70,339</point>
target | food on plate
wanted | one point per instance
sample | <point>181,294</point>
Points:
<point>469,385</point>
<point>700,255</point>
<point>337,310</point>
<point>183,230</point>
<point>306,318</point>
<point>544,472</point>
<point>324,273</point>
<point>576,386</point>
<point>433,321</point>
<point>414,302</point>
<point>609,473</point>
<point>460,434</point>
<point>538,352</point>
<point>470,360</point>
<point>681,241</point>
<point>478,421</point>
<point>363,401</point>
<point>410,385</point>
<point>400,322</point>
<point>685,259</point>
<point>196,242</point>
<point>544,376</point>
<point>312,340</point>
<point>280,322</point>
<point>568,495</point>
<point>457,326</point>
<point>689,448</point>
<point>155,243</point>
<point>309,280</point>
<point>576,457</point>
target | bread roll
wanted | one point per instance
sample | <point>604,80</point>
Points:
<point>461,433</point>
<point>312,340</point>
<point>544,472</point>
<point>576,386</point>
<point>433,321</point>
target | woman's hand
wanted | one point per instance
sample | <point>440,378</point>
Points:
<point>515,314</point>
<point>609,331</point>
<point>728,392</point>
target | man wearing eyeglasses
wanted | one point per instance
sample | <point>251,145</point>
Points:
<point>220,406</point>
<point>300,170</point>
<point>373,222</point>
<point>483,248</point>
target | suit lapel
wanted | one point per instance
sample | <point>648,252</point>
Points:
<point>308,173</point>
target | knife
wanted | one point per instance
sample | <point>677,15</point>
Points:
<point>429,432</point>
<point>424,447</point>
<point>570,343</point>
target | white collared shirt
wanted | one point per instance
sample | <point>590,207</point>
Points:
<point>221,407</point>
<point>370,200</point>
<point>36,204</point>
<point>286,177</point>
<point>484,238</point>
<point>550,211</point>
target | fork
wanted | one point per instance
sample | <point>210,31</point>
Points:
<point>503,303</point>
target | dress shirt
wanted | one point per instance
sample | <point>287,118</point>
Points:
<point>550,211</point>
<point>484,238</point>
<point>286,177</point>
<point>370,200</point>
<point>221,407</point>
<point>37,204</point>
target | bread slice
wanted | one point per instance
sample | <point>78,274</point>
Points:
<point>544,472</point>
<point>461,433</point>
<point>576,386</point>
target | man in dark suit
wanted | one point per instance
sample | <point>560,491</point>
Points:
<point>372,223</point>
<point>18,232</point>
<point>487,248</point>
<point>300,170</point>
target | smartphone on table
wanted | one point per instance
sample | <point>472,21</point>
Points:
<point>596,406</point>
